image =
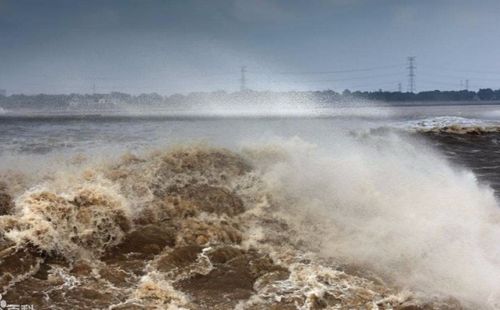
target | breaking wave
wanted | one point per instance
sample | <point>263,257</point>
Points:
<point>375,221</point>
<point>451,124</point>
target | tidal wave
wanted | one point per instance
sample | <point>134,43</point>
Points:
<point>373,221</point>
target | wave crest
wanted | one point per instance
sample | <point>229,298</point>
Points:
<point>287,224</point>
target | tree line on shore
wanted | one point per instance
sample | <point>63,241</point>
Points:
<point>117,99</point>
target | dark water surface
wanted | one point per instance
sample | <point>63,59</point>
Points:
<point>479,152</point>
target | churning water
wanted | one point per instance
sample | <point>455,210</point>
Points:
<point>376,208</point>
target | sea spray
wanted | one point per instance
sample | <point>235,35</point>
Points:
<point>390,204</point>
<point>378,221</point>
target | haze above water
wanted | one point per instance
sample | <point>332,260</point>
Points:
<point>228,127</point>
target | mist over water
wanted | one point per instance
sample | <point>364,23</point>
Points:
<point>356,189</point>
<point>392,205</point>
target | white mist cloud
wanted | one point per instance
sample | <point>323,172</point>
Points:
<point>391,205</point>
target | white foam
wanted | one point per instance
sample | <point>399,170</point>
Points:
<point>395,206</point>
<point>443,121</point>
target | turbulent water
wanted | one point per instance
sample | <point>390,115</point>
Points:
<point>394,208</point>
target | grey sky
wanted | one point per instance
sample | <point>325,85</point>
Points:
<point>62,46</point>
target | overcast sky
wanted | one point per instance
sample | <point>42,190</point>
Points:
<point>63,46</point>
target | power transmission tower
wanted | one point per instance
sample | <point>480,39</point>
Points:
<point>411,74</point>
<point>400,88</point>
<point>243,79</point>
<point>467,85</point>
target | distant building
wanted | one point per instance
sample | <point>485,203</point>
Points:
<point>3,92</point>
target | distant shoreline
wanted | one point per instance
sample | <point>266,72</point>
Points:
<point>329,112</point>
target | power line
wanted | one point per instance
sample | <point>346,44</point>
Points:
<point>456,77</point>
<point>337,80</point>
<point>429,77</point>
<point>373,85</point>
<point>444,68</point>
<point>329,71</point>
<point>431,82</point>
